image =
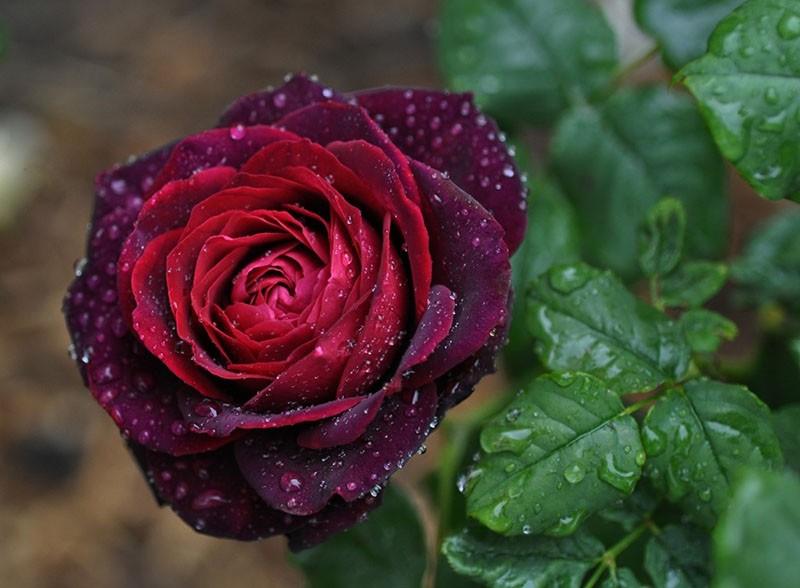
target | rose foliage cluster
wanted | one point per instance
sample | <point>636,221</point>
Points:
<point>276,312</point>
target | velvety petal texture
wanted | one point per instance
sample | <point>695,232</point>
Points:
<point>276,312</point>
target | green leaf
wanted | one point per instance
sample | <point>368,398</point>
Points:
<point>682,27</point>
<point>678,557</point>
<point>633,509</point>
<point>661,236</point>
<point>697,436</point>
<point>757,540</point>
<point>367,553</point>
<point>526,60</point>
<point>522,562</point>
<point>693,283</point>
<point>747,86</point>
<point>552,238</point>
<point>616,161</point>
<point>585,320</point>
<point>705,330</point>
<point>786,421</point>
<point>622,578</point>
<point>768,270</point>
<point>563,449</point>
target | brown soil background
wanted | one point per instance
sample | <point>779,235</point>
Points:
<point>94,81</point>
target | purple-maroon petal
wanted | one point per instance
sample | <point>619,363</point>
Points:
<point>230,147</point>
<point>332,121</point>
<point>125,185</point>
<point>447,132</point>
<point>302,481</point>
<point>471,260</point>
<point>338,516</point>
<point>221,419</point>
<point>267,107</point>
<point>344,428</point>
<point>432,329</point>
<point>210,494</point>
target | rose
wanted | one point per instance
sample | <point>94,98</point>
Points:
<point>276,312</point>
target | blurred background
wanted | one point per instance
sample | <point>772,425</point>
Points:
<point>85,84</point>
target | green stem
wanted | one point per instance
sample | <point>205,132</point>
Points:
<point>608,561</point>
<point>456,433</point>
<point>655,294</point>
<point>635,64</point>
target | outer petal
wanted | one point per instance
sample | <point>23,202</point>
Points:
<point>471,260</point>
<point>216,148</point>
<point>338,516</point>
<point>220,419</point>
<point>209,493</point>
<point>303,481</point>
<point>330,121</point>
<point>266,107</point>
<point>448,133</point>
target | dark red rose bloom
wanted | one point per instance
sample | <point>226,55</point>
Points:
<point>276,312</point>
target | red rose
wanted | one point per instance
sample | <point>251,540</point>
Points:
<point>276,312</point>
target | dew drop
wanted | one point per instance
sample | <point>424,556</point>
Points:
<point>178,428</point>
<point>209,499</point>
<point>789,26</point>
<point>291,482</point>
<point>279,100</point>
<point>351,486</point>
<point>79,266</point>
<point>181,490</point>
<point>574,473</point>
<point>237,132</point>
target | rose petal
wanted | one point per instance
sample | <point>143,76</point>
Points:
<point>167,209</point>
<point>125,186</point>
<point>377,171</point>
<point>266,107</point>
<point>471,259</point>
<point>376,346</point>
<point>331,121</point>
<point>220,419</point>
<point>432,329</point>
<point>210,494</point>
<point>302,481</point>
<point>216,148</point>
<point>344,428</point>
<point>337,516</point>
<point>153,321</point>
<point>448,133</point>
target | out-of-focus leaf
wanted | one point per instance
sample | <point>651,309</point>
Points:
<point>526,60</point>
<point>585,320</point>
<point>747,86</point>
<point>768,269</point>
<point>622,578</point>
<point>516,562</point>
<point>617,160</point>
<point>367,553</point>
<point>705,330</point>
<point>786,421</point>
<point>693,283</point>
<point>661,236</point>
<point>679,557</point>
<point>682,27</point>
<point>697,436</point>
<point>758,538</point>
<point>633,509</point>
<point>552,238</point>
<point>563,449</point>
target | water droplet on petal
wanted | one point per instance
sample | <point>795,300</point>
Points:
<point>279,100</point>
<point>291,482</point>
<point>209,499</point>
<point>237,132</point>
